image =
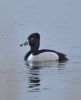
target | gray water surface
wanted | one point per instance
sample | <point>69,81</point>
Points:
<point>59,24</point>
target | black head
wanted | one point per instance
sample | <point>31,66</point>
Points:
<point>34,35</point>
<point>34,41</point>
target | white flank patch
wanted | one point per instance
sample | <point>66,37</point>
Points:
<point>46,56</point>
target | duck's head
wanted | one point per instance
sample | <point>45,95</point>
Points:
<point>33,40</point>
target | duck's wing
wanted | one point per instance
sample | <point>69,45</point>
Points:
<point>62,56</point>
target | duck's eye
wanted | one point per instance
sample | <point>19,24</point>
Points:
<point>32,39</point>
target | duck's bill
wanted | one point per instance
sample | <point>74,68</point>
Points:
<point>25,43</point>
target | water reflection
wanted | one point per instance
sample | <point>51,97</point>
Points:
<point>34,79</point>
<point>45,64</point>
<point>61,65</point>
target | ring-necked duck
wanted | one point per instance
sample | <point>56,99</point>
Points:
<point>36,55</point>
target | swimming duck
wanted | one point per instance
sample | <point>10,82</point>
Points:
<point>37,55</point>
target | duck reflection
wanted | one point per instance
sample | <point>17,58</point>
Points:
<point>34,79</point>
<point>34,73</point>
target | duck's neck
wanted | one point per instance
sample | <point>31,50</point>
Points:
<point>34,51</point>
<point>35,48</point>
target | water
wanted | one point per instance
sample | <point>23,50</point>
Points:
<point>59,24</point>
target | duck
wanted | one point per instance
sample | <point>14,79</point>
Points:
<point>40,55</point>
